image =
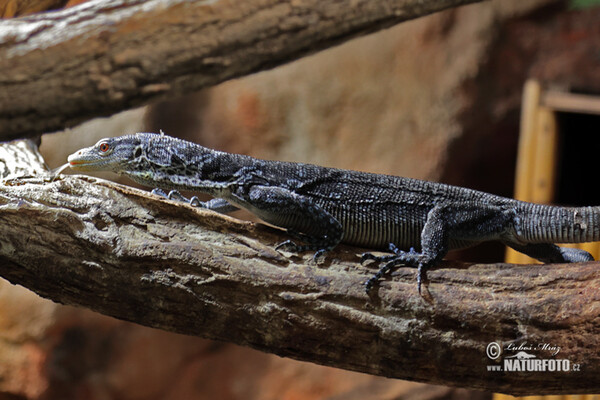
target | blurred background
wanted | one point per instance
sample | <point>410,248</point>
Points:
<point>438,98</point>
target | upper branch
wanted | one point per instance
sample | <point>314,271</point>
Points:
<point>134,256</point>
<point>61,68</point>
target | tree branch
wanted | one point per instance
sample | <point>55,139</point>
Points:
<point>106,56</point>
<point>126,253</point>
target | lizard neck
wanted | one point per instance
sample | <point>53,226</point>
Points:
<point>186,166</point>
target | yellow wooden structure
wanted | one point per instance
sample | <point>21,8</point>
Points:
<point>537,156</point>
<point>563,397</point>
<point>536,172</point>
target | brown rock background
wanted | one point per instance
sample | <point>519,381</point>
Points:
<point>435,98</point>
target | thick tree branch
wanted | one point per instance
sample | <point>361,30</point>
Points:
<point>58,69</point>
<point>134,256</point>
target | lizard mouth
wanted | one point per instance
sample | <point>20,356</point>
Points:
<point>78,163</point>
<point>81,162</point>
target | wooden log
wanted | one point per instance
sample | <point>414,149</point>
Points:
<point>61,68</point>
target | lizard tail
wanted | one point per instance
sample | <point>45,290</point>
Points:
<point>537,223</point>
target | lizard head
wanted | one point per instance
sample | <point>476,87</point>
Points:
<point>148,158</point>
<point>158,160</point>
<point>111,154</point>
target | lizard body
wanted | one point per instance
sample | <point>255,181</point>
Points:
<point>326,206</point>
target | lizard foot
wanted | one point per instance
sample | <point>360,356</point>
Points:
<point>320,245</point>
<point>292,247</point>
<point>175,195</point>
<point>409,258</point>
<point>372,281</point>
<point>392,247</point>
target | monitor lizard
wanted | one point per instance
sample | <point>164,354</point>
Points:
<point>418,221</point>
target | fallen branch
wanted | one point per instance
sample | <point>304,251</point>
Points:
<point>126,253</point>
<point>61,68</point>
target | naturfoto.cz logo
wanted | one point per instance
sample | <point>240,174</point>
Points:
<point>522,358</point>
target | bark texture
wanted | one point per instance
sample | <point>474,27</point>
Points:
<point>126,253</point>
<point>61,68</point>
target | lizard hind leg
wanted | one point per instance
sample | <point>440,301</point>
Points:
<point>551,253</point>
<point>459,221</point>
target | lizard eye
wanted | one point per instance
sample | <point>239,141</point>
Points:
<point>104,147</point>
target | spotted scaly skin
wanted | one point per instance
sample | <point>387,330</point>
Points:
<point>418,221</point>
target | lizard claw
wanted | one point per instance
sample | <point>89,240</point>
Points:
<point>319,256</point>
<point>421,277</point>
<point>288,245</point>
<point>195,202</point>
<point>366,257</point>
<point>175,195</point>
<point>159,192</point>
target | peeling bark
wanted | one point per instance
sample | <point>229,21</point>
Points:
<point>61,68</point>
<point>132,255</point>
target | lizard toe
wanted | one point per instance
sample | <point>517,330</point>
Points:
<point>287,245</point>
<point>372,257</point>
<point>319,256</point>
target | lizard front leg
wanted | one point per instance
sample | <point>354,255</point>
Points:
<point>298,214</point>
